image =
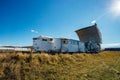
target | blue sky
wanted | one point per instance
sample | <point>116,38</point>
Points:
<point>21,20</point>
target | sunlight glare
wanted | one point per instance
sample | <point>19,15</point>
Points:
<point>115,7</point>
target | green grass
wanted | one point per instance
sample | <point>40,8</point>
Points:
<point>102,66</point>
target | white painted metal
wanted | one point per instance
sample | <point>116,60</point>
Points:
<point>42,43</point>
<point>69,45</point>
<point>57,44</point>
<point>81,47</point>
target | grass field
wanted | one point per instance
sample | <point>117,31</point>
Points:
<point>102,66</point>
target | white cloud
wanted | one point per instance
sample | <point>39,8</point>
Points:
<point>93,22</point>
<point>34,31</point>
<point>111,45</point>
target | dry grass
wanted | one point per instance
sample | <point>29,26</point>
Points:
<point>102,66</point>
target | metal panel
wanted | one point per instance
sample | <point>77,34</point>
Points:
<point>90,33</point>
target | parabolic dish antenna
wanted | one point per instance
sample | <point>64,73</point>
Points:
<point>90,33</point>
